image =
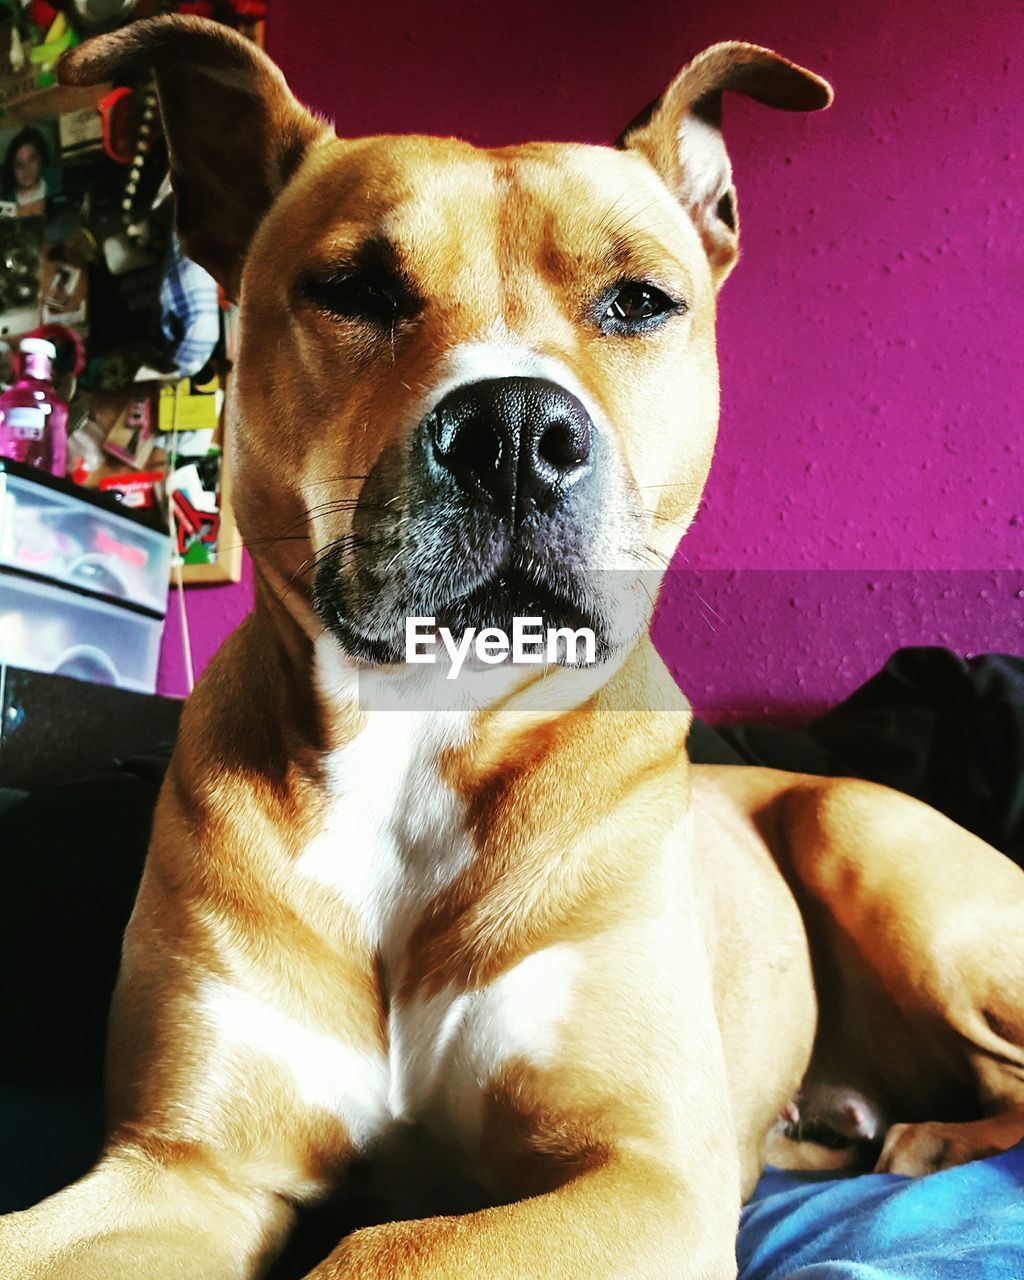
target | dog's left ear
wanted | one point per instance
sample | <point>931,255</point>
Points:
<point>681,134</point>
<point>235,133</point>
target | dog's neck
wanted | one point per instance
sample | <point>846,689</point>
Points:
<point>483,707</point>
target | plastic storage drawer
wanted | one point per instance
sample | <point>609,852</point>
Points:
<point>71,538</point>
<point>49,628</point>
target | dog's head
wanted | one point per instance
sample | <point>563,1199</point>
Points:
<point>471,384</point>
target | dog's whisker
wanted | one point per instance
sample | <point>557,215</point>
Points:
<point>313,484</point>
<point>708,605</point>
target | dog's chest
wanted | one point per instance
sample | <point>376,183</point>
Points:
<point>395,838</point>
<point>395,834</point>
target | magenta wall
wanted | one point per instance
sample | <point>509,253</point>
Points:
<point>870,339</point>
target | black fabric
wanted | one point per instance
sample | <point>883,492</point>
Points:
<point>945,729</point>
<point>72,858</point>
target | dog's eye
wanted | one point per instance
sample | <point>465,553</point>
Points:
<point>371,297</point>
<point>636,307</point>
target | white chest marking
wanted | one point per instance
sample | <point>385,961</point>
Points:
<point>443,1053</point>
<point>395,837</point>
<point>446,1048</point>
<point>325,1073</point>
<point>395,834</point>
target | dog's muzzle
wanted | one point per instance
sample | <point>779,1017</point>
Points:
<point>505,501</point>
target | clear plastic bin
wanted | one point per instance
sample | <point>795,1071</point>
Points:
<point>67,538</point>
<point>49,628</point>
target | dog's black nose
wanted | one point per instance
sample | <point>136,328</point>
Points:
<point>513,441</point>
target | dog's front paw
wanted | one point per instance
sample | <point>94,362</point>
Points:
<point>916,1149</point>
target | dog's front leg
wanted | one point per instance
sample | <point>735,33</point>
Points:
<point>137,1217</point>
<point>245,1045</point>
<point>628,1219</point>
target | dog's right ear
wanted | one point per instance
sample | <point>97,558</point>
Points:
<point>234,131</point>
<point>680,134</point>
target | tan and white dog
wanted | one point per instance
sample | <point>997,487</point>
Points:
<point>557,983</point>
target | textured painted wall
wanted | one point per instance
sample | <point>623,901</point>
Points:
<point>870,339</point>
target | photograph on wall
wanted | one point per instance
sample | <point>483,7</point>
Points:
<point>32,178</point>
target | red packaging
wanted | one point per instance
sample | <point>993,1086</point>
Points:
<point>137,490</point>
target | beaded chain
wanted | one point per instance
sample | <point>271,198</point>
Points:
<point>137,229</point>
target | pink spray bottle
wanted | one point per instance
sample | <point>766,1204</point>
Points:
<point>33,417</point>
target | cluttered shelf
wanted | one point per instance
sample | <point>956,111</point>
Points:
<point>140,337</point>
<point>57,100</point>
<point>115,351</point>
